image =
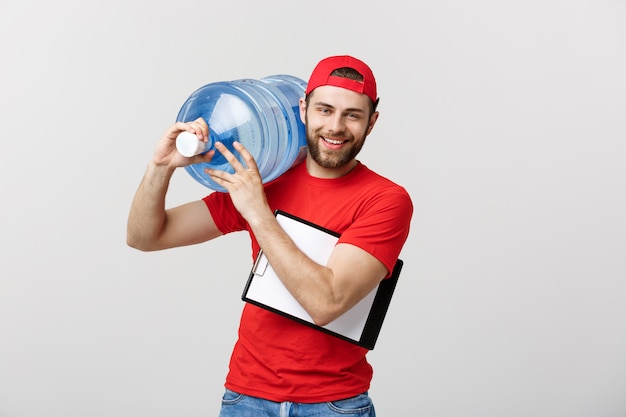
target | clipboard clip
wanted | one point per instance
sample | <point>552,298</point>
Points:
<point>260,265</point>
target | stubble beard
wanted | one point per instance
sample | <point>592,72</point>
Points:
<point>331,159</point>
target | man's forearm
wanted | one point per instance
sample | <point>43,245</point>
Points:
<point>310,283</point>
<point>147,213</point>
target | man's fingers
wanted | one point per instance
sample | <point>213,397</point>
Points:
<point>221,177</point>
<point>242,174</point>
<point>197,127</point>
<point>247,157</point>
<point>229,156</point>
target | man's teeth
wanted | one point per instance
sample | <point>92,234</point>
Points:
<point>334,142</point>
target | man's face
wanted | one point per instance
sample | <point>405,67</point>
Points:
<point>337,121</point>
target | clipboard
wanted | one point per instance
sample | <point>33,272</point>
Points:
<point>360,325</point>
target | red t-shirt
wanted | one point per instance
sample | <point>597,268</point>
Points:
<point>277,358</point>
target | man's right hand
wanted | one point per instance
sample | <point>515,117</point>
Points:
<point>150,225</point>
<point>166,153</point>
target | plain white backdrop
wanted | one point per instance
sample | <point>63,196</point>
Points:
<point>506,122</point>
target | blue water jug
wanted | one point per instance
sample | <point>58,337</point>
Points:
<point>261,114</point>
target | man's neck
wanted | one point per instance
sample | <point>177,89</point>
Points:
<point>318,171</point>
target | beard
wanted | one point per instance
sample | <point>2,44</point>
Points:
<point>336,158</point>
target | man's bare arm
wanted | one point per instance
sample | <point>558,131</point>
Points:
<point>152,227</point>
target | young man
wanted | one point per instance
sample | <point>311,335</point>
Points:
<point>279,364</point>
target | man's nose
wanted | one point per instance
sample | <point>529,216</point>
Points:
<point>336,124</point>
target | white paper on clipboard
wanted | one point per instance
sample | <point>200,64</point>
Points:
<point>265,289</point>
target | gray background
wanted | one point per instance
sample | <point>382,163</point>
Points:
<point>504,120</point>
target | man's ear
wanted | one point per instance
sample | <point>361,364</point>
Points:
<point>302,109</point>
<point>372,122</point>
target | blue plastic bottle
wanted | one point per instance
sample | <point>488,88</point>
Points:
<point>262,114</point>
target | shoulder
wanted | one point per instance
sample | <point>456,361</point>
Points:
<point>381,187</point>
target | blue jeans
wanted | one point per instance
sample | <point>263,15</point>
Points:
<point>239,405</point>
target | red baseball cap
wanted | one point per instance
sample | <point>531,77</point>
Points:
<point>321,76</point>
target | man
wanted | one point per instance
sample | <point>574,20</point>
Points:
<point>278,364</point>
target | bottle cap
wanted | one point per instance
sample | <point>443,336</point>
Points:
<point>189,145</point>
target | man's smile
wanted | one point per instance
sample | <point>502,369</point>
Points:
<point>333,141</point>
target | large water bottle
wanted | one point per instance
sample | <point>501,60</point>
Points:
<point>262,114</point>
